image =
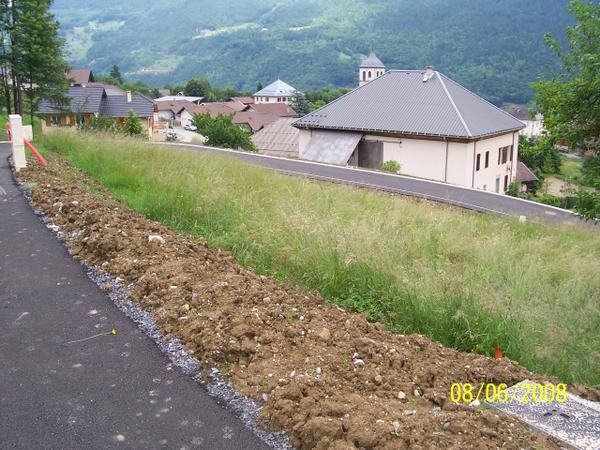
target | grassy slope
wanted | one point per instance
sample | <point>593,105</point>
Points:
<point>467,280</point>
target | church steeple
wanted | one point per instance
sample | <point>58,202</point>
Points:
<point>370,68</point>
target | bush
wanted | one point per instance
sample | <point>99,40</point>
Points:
<point>390,166</point>
<point>133,127</point>
<point>103,124</point>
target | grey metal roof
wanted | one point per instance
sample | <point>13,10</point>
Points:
<point>117,106</point>
<point>372,61</point>
<point>277,88</point>
<point>401,102</point>
<point>81,100</point>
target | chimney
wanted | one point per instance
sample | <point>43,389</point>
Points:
<point>129,97</point>
<point>429,73</point>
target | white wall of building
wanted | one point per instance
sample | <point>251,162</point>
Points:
<point>304,136</point>
<point>451,162</point>
<point>485,178</point>
<point>186,118</point>
<point>267,99</point>
<point>533,128</point>
<point>417,157</point>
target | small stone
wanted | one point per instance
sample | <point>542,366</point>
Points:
<point>446,426</point>
<point>324,334</point>
<point>475,403</point>
<point>410,412</point>
<point>292,374</point>
<point>74,203</point>
<point>358,363</point>
<point>156,238</point>
<point>265,397</point>
<point>396,425</point>
<point>378,379</point>
<point>401,395</point>
<point>318,371</point>
<point>417,393</point>
<point>186,307</point>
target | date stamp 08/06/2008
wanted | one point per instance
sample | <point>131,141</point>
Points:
<point>489,392</point>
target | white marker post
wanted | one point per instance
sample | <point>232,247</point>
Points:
<point>18,147</point>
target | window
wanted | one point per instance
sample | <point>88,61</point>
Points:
<point>485,187</point>
<point>505,183</point>
<point>364,75</point>
<point>55,120</point>
<point>487,159</point>
<point>369,74</point>
<point>511,152</point>
<point>503,154</point>
<point>478,164</point>
<point>79,119</point>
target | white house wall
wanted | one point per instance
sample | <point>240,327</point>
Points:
<point>485,178</point>
<point>418,158</point>
<point>304,136</point>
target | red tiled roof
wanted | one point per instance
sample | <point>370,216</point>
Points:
<point>244,100</point>
<point>275,109</point>
<point>80,76</point>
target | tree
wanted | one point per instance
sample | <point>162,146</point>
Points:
<point>133,127</point>
<point>570,100</point>
<point>222,132</point>
<point>33,52</point>
<point>116,74</point>
<point>300,104</point>
<point>197,87</point>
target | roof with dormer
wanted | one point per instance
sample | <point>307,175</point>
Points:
<point>372,62</point>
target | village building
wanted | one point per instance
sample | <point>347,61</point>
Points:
<point>168,112</point>
<point>432,126</point>
<point>276,92</point>
<point>370,68</point>
<point>534,124</point>
<point>525,177</point>
<point>85,103</point>
<point>252,117</point>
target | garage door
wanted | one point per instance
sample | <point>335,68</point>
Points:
<point>333,147</point>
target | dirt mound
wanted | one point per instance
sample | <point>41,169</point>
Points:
<point>326,376</point>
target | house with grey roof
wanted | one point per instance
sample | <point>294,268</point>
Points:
<point>431,125</point>
<point>84,103</point>
<point>277,92</point>
<point>534,123</point>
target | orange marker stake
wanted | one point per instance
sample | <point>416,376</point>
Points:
<point>498,353</point>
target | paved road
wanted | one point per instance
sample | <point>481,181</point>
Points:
<point>473,199</point>
<point>110,392</point>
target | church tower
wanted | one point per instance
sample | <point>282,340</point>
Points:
<point>370,68</point>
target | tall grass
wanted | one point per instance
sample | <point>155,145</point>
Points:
<point>467,280</point>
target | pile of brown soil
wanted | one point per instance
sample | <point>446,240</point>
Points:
<point>326,376</point>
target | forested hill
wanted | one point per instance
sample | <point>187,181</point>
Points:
<point>494,47</point>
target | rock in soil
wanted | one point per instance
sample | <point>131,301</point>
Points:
<point>372,389</point>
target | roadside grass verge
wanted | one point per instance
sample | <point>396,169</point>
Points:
<point>467,280</point>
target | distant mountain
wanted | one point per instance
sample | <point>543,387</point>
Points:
<point>493,47</point>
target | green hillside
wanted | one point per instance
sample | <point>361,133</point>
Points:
<point>495,48</point>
